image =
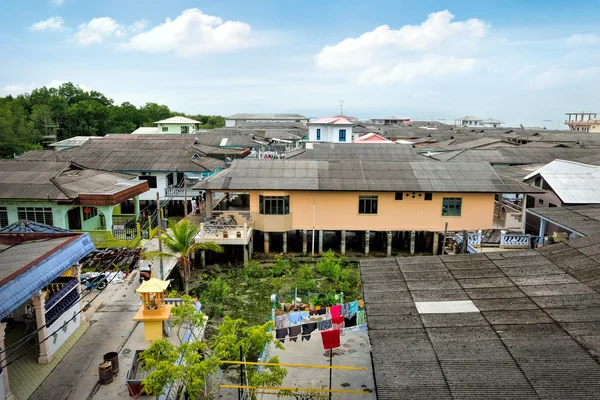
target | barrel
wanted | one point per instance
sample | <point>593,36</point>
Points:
<point>113,359</point>
<point>105,372</point>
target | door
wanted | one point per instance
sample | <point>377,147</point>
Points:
<point>74,216</point>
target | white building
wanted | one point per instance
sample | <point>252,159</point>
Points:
<point>235,119</point>
<point>333,129</point>
<point>173,125</point>
<point>475,121</point>
<point>390,120</point>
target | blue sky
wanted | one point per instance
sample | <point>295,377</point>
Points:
<point>518,61</point>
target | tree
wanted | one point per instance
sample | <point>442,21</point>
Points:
<point>180,243</point>
<point>154,112</point>
<point>200,361</point>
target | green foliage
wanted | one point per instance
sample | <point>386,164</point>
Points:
<point>281,267</point>
<point>253,269</point>
<point>218,290</point>
<point>305,279</point>
<point>201,360</point>
<point>331,266</point>
<point>24,119</point>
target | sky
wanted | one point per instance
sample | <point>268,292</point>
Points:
<point>523,62</point>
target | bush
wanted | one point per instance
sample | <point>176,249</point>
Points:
<point>218,290</point>
<point>304,279</point>
<point>253,269</point>
<point>331,266</point>
<point>281,267</point>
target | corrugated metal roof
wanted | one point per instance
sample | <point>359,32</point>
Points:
<point>178,120</point>
<point>534,337</point>
<point>362,175</point>
<point>266,116</point>
<point>573,183</point>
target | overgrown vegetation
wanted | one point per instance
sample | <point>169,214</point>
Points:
<point>24,119</point>
<point>245,292</point>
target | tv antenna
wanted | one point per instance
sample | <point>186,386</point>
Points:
<point>341,105</point>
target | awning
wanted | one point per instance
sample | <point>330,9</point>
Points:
<point>35,278</point>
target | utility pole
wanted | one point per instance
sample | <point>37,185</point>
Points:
<point>184,196</point>
<point>159,218</point>
<point>341,105</point>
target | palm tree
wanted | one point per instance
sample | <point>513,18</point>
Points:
<point>180,243</point>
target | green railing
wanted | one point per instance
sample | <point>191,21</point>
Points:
<point>104,239</point>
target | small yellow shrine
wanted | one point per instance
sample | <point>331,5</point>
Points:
<point>154,310</point>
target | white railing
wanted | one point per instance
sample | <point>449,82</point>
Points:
<point>211,231</point>
<point>515,240</point>
<point>179,192</point>
<point>473,240</point>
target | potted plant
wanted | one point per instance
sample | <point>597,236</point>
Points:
<point>225,235</point>
<point>238,234</point>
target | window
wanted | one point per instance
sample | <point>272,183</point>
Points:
<point>3,217</point>
<point>89,213</point>
<point>274,205</point>
<point>151,181</point>
<point>367,204</point>
<point>42,215</point>
<point>398,196</point>
<point>185,129</point>
<point>541,201</point>
<point>342,135</point>
<point>451,207</point>
<point>428,196</point>
<point>318,134</point>
<point>551,205</point>
<point>165,129</point>
<point>538,182</point>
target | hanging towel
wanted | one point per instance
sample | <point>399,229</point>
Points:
<point>331,339</point>
<point>280,334</point>
<point>295,318</point>
<point>350,321</point>
<point>345,309</point>
<point>353,305</point>
<point>314,312</point>
<point>322,311</point>
<point>324,325</point>
<point>294,332</point>
<point>360,317</point>
<point>307,329</point>
<point>338,322</point>
<point>335,311</point>
<point>304,314</point>
<point>361,304</point>
<point>281,321</point>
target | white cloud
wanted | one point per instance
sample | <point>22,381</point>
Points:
<point>386,55</point>
<point>435,32</point>
<point>50,24</point>
<point>561,77</point>
<point>138,26</point>
<point>430,66</point>
<point>16,89</point>
<point>97,30</point>
<point>58,2</point>
<point>583,40</point>
<point>192,32</point>
<point>20,88</point>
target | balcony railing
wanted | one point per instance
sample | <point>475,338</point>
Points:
<point>515,241</point>
<point>180,192</point>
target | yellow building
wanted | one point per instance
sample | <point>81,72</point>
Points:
<point>381,197</point>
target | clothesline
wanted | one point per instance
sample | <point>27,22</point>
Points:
<point>305,327</point>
